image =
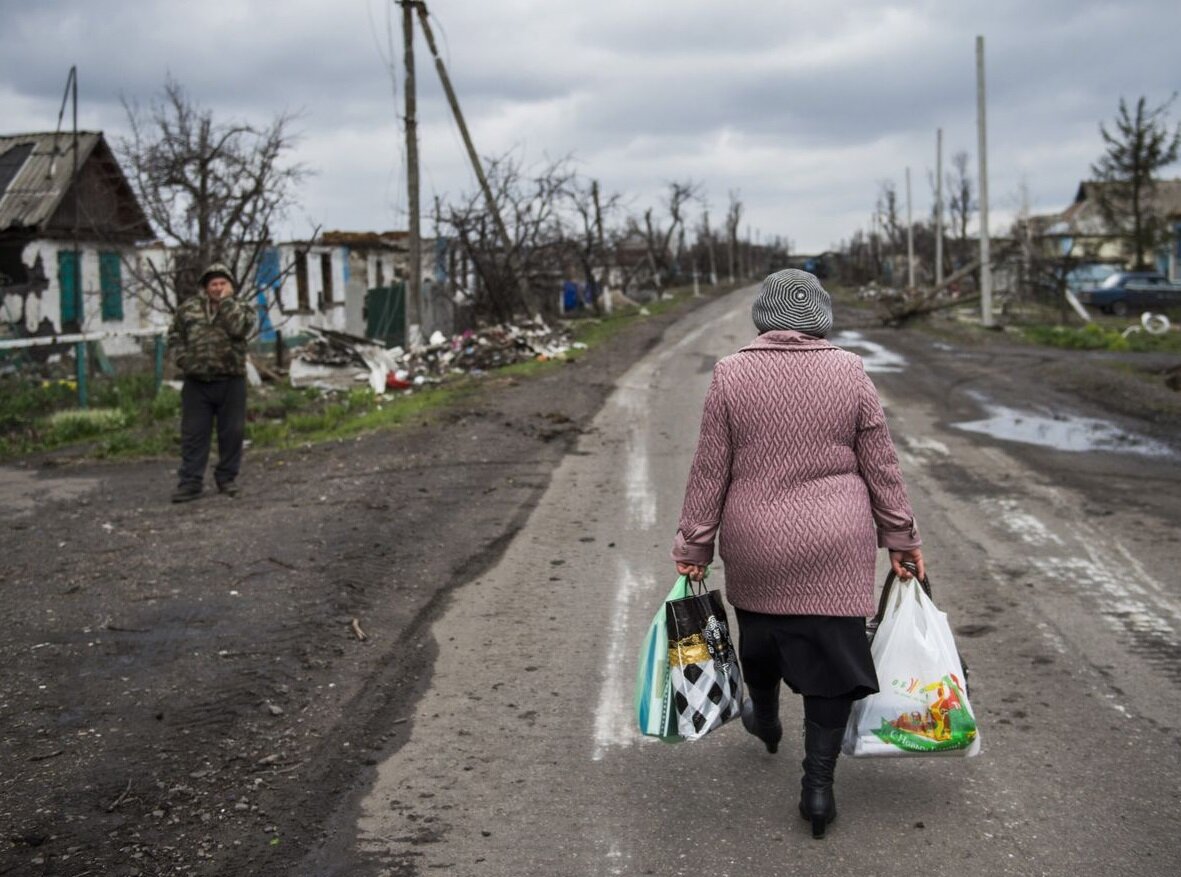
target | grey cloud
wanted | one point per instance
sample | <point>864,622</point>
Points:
<point>799,84</point>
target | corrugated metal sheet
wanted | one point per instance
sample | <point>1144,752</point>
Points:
<point>37,189</point>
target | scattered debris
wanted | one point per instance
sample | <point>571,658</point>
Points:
<point>333,360</point>
<point>1153,324</point>
<point>114,804</point>
<point>1079,309</point>
<point>357,632</point>
<point>481,350</point>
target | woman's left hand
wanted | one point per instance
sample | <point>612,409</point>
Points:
<point>915,556</point>
<point>694,571</point>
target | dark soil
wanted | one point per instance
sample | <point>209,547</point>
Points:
<point>183,689</point>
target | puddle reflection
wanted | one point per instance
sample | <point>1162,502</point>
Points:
<point>1064,432</point>
<point>876,358</point>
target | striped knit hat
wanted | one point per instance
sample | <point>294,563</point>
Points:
<point>793,299</point>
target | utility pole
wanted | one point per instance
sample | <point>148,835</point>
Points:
<point>909,237</point>
<point>414,273</point>
<point>602,248</point>
<point>81,369</point>
<point>522,282</point>
<point>938,206</point>
<point>982,149</point>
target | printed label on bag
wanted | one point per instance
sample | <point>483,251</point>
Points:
<point>941,719</point>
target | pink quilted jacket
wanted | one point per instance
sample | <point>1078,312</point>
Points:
<point>796,466</point>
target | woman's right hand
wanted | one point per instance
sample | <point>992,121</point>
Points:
<point>913,555</point>
<point>694,571</point>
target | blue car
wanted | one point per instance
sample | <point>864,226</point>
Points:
<point>1126,292</point>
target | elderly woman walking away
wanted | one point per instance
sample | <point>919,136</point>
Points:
<point>796,468</point>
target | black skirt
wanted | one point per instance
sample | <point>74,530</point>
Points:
<point>820,655</point>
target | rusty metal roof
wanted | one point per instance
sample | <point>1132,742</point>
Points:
<point>38,186</point>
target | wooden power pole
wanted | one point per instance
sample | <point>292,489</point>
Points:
<point>523,284</point>
<point>414,271</point>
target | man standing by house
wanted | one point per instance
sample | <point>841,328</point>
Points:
<point>208,340</point>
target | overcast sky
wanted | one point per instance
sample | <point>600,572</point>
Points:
<point>802,106</point>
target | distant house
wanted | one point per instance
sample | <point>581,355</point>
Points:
<point>1081,231</point>
<point>353,282</point>
<point>65,240</point>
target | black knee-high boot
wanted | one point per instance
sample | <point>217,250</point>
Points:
<point>821,747</point>
<point>760,716</point>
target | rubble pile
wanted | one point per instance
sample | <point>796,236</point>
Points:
<point>481,350</point>
<point>337,361</point>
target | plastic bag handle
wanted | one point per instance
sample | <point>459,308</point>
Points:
<point>884,601</point>
<point>699,588</point>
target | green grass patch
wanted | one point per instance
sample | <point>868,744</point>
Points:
<point>593,330</point>
<point>359,412</point>
<point>1096,337</point>
<point>75,424</point>
<point>129,419</point>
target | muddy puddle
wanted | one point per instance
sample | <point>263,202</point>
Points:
<point>1064,432</point>
<point>876,357</point>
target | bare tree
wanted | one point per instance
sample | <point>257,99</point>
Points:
<point>706,236</point>
<point>662,256</point>
<point>531,205</point>
<point>961,201</point>
<point>588,240</point>
<point>887,209</point>
<point>1141,145</point>
<point>733,218</point>
<point>211,189</point>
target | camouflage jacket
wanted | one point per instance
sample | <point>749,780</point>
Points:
<point>210,342</point>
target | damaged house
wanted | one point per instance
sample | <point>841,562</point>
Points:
<point>354,282</point>
<point>69,224</point>
<point>1083,232</point>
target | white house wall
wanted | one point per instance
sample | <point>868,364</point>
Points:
<point>288,319</point>
<point>48,304</point>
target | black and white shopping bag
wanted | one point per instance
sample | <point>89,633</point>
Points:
<point>703,664</point>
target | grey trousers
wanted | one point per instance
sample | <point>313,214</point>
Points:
<point>202,403</point>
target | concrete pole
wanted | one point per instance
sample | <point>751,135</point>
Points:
<point>909,237</point>
<point>604,269</point>
<point>414,272</point>
<point>982,149</point>
<point>939,207</point>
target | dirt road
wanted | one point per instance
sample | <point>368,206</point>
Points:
<point>1058,569</point>
<point>183,692</point>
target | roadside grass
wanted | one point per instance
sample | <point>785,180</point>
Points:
<point>128,419</point>
<point>1050,326</point>
<point>1094,336</point>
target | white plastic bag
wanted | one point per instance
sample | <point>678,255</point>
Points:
<point>922,705</point>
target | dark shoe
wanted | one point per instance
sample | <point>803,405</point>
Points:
<point>821,748</point>
<point>229,488</point>
<point>760,716</point>
<point>186,493</point>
